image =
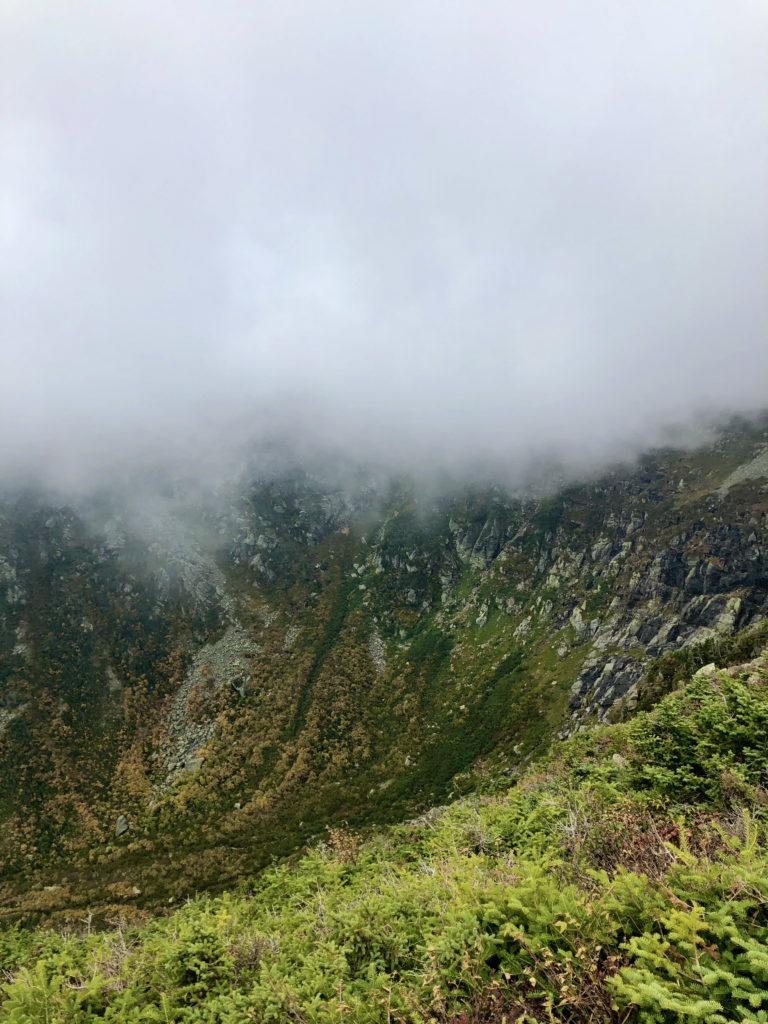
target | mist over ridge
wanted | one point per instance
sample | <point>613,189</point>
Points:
<point>432,238</point>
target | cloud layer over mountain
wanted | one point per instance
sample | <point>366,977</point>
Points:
<point>423,230</point>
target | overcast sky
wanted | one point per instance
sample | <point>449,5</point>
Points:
<point>433,229</point>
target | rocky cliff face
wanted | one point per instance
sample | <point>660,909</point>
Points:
<point>225,677</point>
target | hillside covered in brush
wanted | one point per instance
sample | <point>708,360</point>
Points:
<point>193,685</point>
<point>622,878</point>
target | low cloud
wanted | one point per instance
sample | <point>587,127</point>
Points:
<point>424,233</point>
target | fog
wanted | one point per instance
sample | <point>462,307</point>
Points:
<point>425,234</point>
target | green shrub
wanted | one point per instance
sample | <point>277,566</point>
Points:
<point>624,879</point>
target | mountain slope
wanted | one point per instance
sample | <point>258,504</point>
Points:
<point>623,878</point>
<point>218,680</point>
